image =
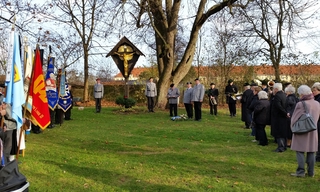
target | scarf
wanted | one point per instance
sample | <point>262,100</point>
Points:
<point>307,97</point>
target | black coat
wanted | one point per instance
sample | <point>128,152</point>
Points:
<point>214,93</point>
<point>279,115</point>
<point>261,112</point>
<point>229,91</point>
<point>249,100</point>
<point>291,102</point>
<point>244,100</point>
<point>253,103</point>
<point>317,98</point>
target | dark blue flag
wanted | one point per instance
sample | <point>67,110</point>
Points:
<point>51,86</point>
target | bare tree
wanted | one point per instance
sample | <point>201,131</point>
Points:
<point>88,19</point>
<point>273,24</point>
<point>106,72</point>
<point>164,18</point>
<point>229,49</point>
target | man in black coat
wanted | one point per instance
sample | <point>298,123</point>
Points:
<point>279,117</point>
<point>213,94</point>
<point>244,100</point>
<point>230,92</point>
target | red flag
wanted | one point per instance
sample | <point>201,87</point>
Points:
<point>40,110</point>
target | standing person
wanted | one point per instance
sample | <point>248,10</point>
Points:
<point>279,117</point>
<point>187,100</point>
<point>10,125</point>
<point>230,92</point>
<point>261,117</point>
<point>244,103</point>
<point>151,93</point>
<point>305,142</point>
<point>173,94</point>
<point>1,93</point>
<point>98,94</point>
<point>264,86</point>
<point>316,94</point>
<point>291,102</point>
<point>197,98</point>
<point>67,115</point>
<point>253,103</point>
<point>213,94</point>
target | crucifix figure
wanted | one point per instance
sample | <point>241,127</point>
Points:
<point>126,54</point>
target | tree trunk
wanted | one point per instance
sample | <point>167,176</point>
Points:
<point>86,76</point>
<point>277,72</point>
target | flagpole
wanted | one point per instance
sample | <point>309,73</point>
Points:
<point>24,125</point>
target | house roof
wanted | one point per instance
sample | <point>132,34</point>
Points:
<point>264,69</point>
<point>240,70</point>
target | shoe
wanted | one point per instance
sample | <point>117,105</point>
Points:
<point>297,175</point>
<point>254,141</point>
<point>278,151</point>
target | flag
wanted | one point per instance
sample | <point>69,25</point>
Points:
<point>10,56</point>
<point>65,101</point>
<point>14,82</point>
<point>51,86</point>
<point>40,110</point>
<point>28,62</point>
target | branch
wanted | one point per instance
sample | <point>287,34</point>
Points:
<point>214,9</point>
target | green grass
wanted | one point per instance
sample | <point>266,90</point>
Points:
<point>144,151</point>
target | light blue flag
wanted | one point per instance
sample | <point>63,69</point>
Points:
<point>15,92</point>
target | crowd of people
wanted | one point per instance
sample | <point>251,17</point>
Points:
<point>281,109</point>
<point>262,105</point>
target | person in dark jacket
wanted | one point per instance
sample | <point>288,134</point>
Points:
<point>260,117</point>
<point>244,100</point>
<point>253,104</point>
<point>279,117</point>
<point>213,94</point>
<point>316,94</point>
<point>291,102</point>
<point>230,92</point>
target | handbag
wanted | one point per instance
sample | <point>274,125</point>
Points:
<point>305,122</point>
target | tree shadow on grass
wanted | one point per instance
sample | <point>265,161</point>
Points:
<point>115,180</point>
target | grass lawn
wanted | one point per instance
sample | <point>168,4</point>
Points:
<point>112,151</point>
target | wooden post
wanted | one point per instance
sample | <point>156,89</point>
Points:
<point>126,88</point>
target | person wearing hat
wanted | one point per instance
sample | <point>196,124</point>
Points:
<point>151,93</point>
<point>244,102</point>
<point>98,94</point>
<point>213,94</point>
<point>187,95</point>
<point>264,86</point>
<point>172,95</point>
<point>230,92</point>
<point>197,98</point>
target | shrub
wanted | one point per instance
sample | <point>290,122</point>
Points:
<point>125,102</point>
